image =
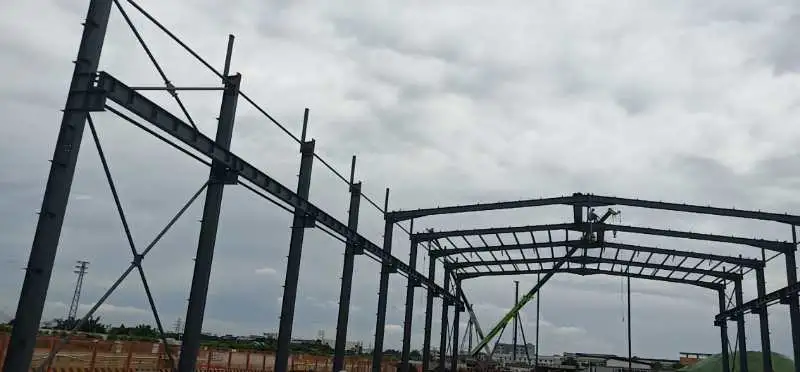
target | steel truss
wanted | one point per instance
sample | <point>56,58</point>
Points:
<point>95,91</point>
<point>599,256</point>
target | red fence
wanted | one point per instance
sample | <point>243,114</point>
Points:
<point>96,355</point>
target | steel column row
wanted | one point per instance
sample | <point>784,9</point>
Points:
<point>56,195</point>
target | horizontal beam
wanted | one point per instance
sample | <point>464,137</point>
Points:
<point>588,271</point>
<point>578,199</point>
<point>770,298</point>
<point>134,102</point>
<point>773,245</point>
<point>595,260</point>
<point>746,262</point>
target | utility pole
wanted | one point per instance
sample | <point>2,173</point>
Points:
<point>80,269</point>
<point>178,326</point>
<point>516,320</point>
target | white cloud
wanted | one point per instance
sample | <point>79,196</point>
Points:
<point>394,328</point>
<point>266,271</point>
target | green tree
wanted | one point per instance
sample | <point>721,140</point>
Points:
<point>415,355</point>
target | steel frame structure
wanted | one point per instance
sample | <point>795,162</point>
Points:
<point>94,91</point>
<point>599,256</point>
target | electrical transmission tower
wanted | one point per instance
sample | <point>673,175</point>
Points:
<point>80,269</point>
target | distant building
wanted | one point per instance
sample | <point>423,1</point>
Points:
<point>505,352</point>
<point>688,359</point>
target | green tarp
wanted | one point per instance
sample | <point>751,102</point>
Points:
<point>780,363</point>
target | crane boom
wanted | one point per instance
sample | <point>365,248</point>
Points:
<point>524,300</point>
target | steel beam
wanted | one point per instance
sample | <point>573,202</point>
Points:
<point>443,334</point>
<point>143,107</point>
<point>740,327</point>
<point>57,191</point>
<point>383,296</point>
<point>217,179</point>
<point>426,340</point>
<point>781,295</point>
<point>777,246</point>
<point>347,278</point>
<point>596,201</point>
<point>456,320</point>
<point>592,260</point>
<point>588,271</point>
<point>300,222</point>
<point>473,318</point>
<point>723,332</point>
<point>409,315</point>
<point>793,301</point>
<point>766,349</point>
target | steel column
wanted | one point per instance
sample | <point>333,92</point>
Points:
<point>740,327</point>
<point>299,223</point>
<point>630,347</point>
<point>794,305</point>
<point>347,275</point>
<point>723,333</point>
<point>516,323</point>
<point>383,292</point>
<point>443,334</point>
<point>218,177</point>
<point>406,352</point>
<point>538,310</point>
<point>56,195</point>
<point>426,340</point>
<point>456,318</point>
<point>766,349</point>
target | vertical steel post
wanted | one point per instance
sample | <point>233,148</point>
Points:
<point>426,340</point>
<point>630,347</point>
<point>218,177</point>
<point>300,222</point>
<point>516,321</point>
<point>56,194</point>
<point>723,333</point>
<point>406,352</point>
<point>766,348</point>
<point>383,290</point>
<point>457,308</point>
<point>347,274</point>
<point>740,327</point>
<point>538,310</point>
<point>794,305</point>
<point>443,334</point>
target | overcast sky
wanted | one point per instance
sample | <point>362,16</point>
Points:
<point>446,103</point>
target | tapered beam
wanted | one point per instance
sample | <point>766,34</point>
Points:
<point>217,179</point>
<point>300,223</point>
<point>457,309</point>
<point>740,327</point>
<point>777,246</point>
<point>56,194</point>
<point>592,260</point>
<point>347,277</point>
<point>383,293</point>
<point>596,201</point>
<point>723,332</point>
<point>793,301</point>
<point>443,335</point>
<point>763,320</point>
<point>426,340</point>
<point>588,271</point>
<point>141,106</point>
<point>409,315</point>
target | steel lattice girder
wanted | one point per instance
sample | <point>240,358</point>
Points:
<point>772,245</point>
<point>594,260</point>
<point>746,262</point>
<point>113,89</point>
<point>587,271</point>
<point>589,200</point>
